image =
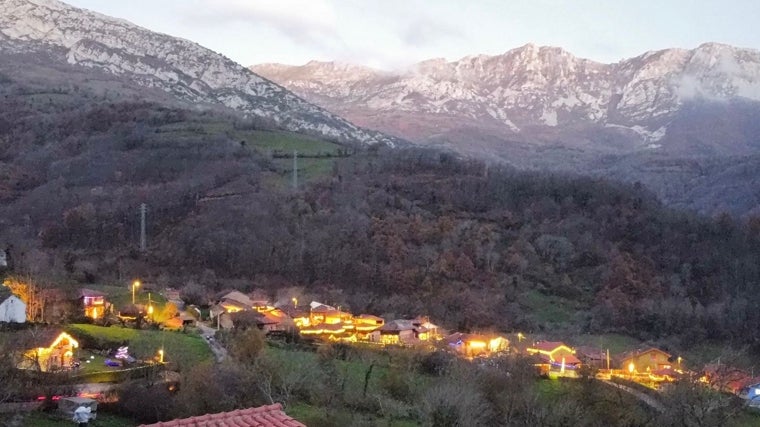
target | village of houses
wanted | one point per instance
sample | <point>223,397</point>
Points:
<point>57,350</point>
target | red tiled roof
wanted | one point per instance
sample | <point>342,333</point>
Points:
<point>263,416</point>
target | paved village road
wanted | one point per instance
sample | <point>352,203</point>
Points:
<point>220,353</point>
<point>649,400</point>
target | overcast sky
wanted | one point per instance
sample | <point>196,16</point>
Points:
<point>395,33</point>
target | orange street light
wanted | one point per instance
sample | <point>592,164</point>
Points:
<point>161,356</point>
<point>135,285</point>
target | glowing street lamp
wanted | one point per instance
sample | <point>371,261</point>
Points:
<point>161,356</point>
<point>295,302</point>
<point>135,285</point>
<point>150,306</point>
<point>520,337</point>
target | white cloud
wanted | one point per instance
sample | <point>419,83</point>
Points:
<point>311,21</point>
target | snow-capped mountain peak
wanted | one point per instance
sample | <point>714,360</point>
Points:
<point>157,61</point>
<point>533,87</point>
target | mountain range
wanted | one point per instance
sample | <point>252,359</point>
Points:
<point>185,70</point>
<point>545,94</point>
<point>685,123</point>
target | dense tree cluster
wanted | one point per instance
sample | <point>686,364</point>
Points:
<point>399,232</point>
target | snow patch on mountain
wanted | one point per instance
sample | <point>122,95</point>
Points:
<point>180,67</point>
<point>536,86</point>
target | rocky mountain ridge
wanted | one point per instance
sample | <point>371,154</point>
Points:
<point>532,93</point>
<point>182,68</point>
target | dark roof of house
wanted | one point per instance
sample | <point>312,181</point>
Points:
<point>640,351</point>
<point>397,325</point>
<point>455,338</point>
<point>263,416</point>
<point>238,297</point>
<point>326,309</point>
<point>593,353</point>
<point>85,292</point>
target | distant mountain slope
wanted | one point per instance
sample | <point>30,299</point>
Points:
<point>686,123</point>
<point>543,94</point>
<point>179,67</point>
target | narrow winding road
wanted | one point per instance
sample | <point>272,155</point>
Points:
<point>220,353</point>
<point>649,400</point>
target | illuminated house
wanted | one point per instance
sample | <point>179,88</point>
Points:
<point>236,301</point>
<point>555,356</point>
<point>729,379</point>
<point>396,332</point>
<point>300,318</point>
<point>321,313</point>
<point>472,345</point>
<point>53,351</point>
<point>366,324</point>
<point>592,356</point>
<point>274,320</point>
<point>645,360</point>
<point>426,330</point>
<point>94,303</point>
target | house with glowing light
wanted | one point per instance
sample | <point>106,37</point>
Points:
<point>327,322</point>
<point>52,350</point>
<point>650,360</point>
<point>425,329</point>
<point>593,356</point>
<point>321,313</point>
<point>93,302</point>
<point>395,332</point>
<point>556,357</point>
<point>730,379</point>
<point>236,301</point>
<point>474,345</point>
<point>365,325</point>
<point>273,320</point>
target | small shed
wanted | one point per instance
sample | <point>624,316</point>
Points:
<point>12,309</point>
<point>68,405</point>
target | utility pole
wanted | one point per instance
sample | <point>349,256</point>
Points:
<point>295,169</point>
<point>143,237</point>
<point>608,359</point>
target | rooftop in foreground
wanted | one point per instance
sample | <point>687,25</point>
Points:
<point>263,416</point>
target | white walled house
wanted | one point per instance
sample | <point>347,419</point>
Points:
<point>12,309</point>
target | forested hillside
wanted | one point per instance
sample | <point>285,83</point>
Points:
<point>386,231</point>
